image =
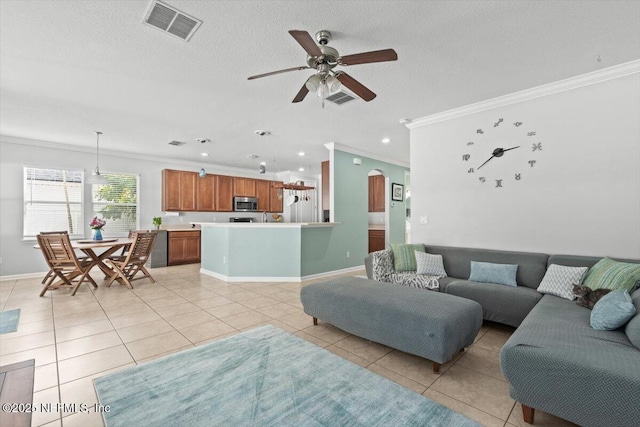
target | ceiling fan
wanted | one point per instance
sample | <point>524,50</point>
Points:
<point>324,59</point>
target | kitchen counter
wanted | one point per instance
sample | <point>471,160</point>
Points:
<point>265,224</point>
<point>265,251</point>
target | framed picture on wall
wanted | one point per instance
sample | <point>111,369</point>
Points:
<point>397,192</point>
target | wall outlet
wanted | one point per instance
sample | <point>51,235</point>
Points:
<point>215,219</point>
<point>348,254</point>
<point>224,259</point>
<point>0,260</point>
<point>424,220</point>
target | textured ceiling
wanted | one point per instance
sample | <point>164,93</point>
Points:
<point>68,68</point>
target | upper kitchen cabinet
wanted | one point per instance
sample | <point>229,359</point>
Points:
<point>224,193</point>
<point>206,193</point>
<point>263,193</point>
<point>179,190</point>
<point>244,187</point>
<point>376,193</point>
<point>276,203</point>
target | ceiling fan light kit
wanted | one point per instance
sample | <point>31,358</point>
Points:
<point>324,59</point>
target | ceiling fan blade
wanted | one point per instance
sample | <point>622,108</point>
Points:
<point>301,94</point>
<point>357,87</point>
<point>368,57</point>
<point>307,43</point>
<point>286,70</point>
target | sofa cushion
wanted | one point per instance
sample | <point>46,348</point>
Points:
<point>559,280</point>
<point>430,264</point>
<point>612,311</point>
<point>488,272</point>
<point>457,262</point>
<point>504,304</point>
<point>611,274</point>
<point>555,352</point>
<point>632,330</point>
<point>404,258</point>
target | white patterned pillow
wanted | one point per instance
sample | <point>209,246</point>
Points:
<point>559,280</point>
<point>382,264</point>
<point>430,264</point>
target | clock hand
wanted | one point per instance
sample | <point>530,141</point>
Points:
<point>498,152</point>
<point>512,148</point>
<point>485,162</point>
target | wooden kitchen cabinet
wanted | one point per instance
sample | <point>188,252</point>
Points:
<point>376,240</point>
<point>183,247</point>
<point>376,193</point>
<point>324,171</point>
<point>276,204</point>
<point>179,190</point>
<point>206,201</point>
<point>224,193</point>
<point>244,187</point>
<point>263,193</point>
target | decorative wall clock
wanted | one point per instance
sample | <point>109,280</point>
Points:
<point>501,154</point>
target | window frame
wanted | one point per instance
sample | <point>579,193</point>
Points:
<point>76,235</point>
<point>90,212</point>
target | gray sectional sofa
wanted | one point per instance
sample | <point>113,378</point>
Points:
<point>554,361</point>
<point>503,304</point>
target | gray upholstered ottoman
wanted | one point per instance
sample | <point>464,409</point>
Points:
<point>429,324</point>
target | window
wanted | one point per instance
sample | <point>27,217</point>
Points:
<point>52,201</point>
<point>117,203</point>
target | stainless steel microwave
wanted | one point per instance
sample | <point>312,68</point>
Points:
<point>245,204</point>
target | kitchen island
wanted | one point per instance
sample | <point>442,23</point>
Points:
<point>267,252</point>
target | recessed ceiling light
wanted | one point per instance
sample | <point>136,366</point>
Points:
<point>252,156</point>
<point>301,154</point>
<point>204,154</point>
<point>386,140</point>
<point>301,169</point>
<point>263,163</point>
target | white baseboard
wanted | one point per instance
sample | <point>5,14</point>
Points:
<point>294,279</point>
<point>23,276</point>
<point>333,273</point>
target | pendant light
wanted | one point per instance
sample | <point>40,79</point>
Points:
<point>96,178</point>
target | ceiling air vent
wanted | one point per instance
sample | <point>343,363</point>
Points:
<point>171,20</point>
<point>177,143</point>
<point>340,98</point>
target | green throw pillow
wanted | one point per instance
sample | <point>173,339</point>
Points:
<point>404,257</point>
<point>614,275</point>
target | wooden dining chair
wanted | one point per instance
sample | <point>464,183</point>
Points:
<point>51,275</point>
<point>125,267</point>
<point>63,262</point>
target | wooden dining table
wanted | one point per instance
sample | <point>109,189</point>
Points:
<point>98,251</point>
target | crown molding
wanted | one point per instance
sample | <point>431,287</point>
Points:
<point>610,73</point>
<point>219,169</point>
<point>336,146</point>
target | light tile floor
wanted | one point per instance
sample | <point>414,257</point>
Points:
<point>76,339</point>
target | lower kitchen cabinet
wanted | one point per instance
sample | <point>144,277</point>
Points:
<point>183,247</point>
<point>376,240</point>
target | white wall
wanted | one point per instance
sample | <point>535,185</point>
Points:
<point>582,197</point>
<point>19,257</point>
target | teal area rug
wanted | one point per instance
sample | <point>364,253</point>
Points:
<point>262,377</point>
<point>9,321</point>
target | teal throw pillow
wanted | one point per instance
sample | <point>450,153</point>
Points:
<point>633,326</point>
<point>404,258</point>
<point>487,272</point>
<point>612,311</point>
<point>614,275</point>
